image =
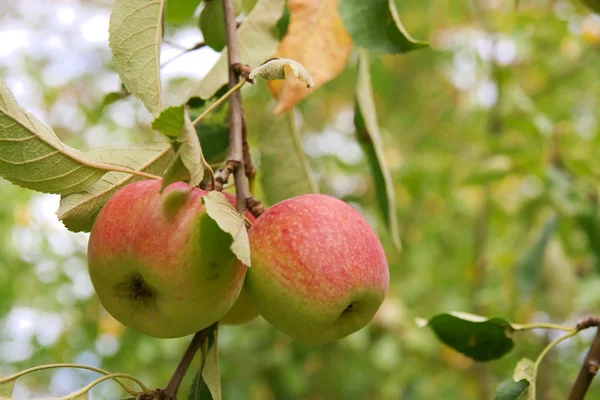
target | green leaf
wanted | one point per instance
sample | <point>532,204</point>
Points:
<point>369,137</point>
<point>230,221</point>
<point>213,133</point>
<point>113,97</point>
<point>210,373</point>
<point>212,24</point>
<point>593,5</point>
<point>189,161</point>
<point>529,266</point>
<point>213,129</point>
<point>32,156</point>
<point>179,11</point>
<point>474,336</point>
<point>519,386</point>
<point>190,151</point>
<point>276,69</point>
<point>511,390</point>
<point>6,388</point>
<point>284,171</point>
<point>257,42</point>
<point>199,390</point>
<point>135,36</point>
<point>525,371</point>
<point>214,138</point>
<point>175,172</point>
<point>170,122</point>
<point>282,24</point>
<point>207,381</point>
<point>376,26</point>
<point>79,210</point>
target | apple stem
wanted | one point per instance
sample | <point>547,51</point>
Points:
<point>170,391</point>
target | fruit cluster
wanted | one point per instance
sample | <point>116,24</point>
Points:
<point>162,266</point>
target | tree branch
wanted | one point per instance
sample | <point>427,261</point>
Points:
<point>184,51</point>
<point>235,152</point>
<point>248,166</point>
<point>170,391</point>
<point>589,368</point>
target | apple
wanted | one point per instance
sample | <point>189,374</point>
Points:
<point>242,311</point>
<point>159,263</point>
<point>319,272</point>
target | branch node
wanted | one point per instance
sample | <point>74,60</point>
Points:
<point>593,367</point>
<point>588,322</point>
<point>243,71</point>
<point>255,206</point>
<point>223,174</point>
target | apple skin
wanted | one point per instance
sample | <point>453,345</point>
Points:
<point>242,311</point>
<point>319,272</point>
<point>159,263</point>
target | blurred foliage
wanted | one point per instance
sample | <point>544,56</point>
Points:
<point>489,135</point>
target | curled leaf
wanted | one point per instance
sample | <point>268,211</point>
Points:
<point>525,369</point>
<point>369,137</point>
<point>256,40</point>
<point>191,152</point>
<point>276,69</point>
<point>230,221</point>
<point>511,390</point>
<point>189,161</point>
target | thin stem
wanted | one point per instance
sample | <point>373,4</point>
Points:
<point>87,388</point>
<point>300,151</point>
<point>210,172</point>
<point>541,325</point>
<point>588,370</point>
<point>173,44</point>
<point>538,361</point>
<point>128,388</point>
<point>183,52</point>
<point>219,101</point>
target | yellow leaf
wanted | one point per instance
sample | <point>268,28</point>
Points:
<point>316,38</point>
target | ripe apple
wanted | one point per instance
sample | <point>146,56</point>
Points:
<point>159,263</point>
<point>242,311</point>
<point>319,272</point>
